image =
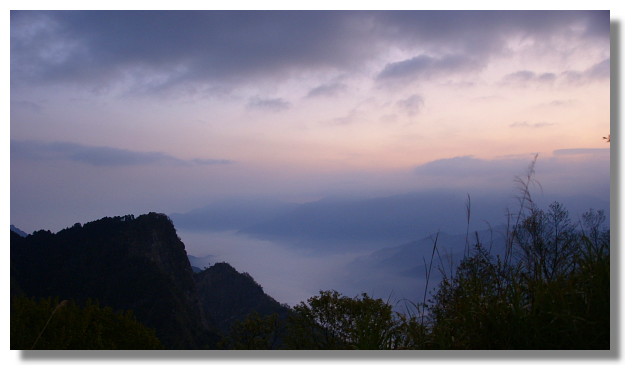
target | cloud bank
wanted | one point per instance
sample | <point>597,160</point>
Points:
<point>99,156</point>
<point>566,171</point>
<point>274,105</point>
<point>327,90</point>
<point>166,49</point>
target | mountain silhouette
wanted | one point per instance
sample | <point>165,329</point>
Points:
<point>137,264</point>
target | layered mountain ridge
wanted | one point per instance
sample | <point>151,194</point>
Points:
<point>137,264</point>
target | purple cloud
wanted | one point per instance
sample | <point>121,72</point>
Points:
<point>523,77</point>
<point>275,105</point>
<point>599,71</point>
<point>327,90</point>
<point>99,156</point>
<point>216,48</point>
<point>424,66</point>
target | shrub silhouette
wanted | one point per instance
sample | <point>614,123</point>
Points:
<point>549,289</point>
<point>255,332</point>
<point>49,324</point>
<point>333,321</point>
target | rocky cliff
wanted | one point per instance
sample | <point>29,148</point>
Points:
<point>127,263</point>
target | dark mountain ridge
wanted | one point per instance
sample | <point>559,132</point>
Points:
<point>137,264</point>
<point>336,224</point>
<point>239,296</point>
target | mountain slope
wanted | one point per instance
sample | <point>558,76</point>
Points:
<point>229,296</point>
<point>18,231</point>
<point>399,272</point>
<point>126,263</point>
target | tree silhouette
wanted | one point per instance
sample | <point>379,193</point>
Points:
<point>333,321</point>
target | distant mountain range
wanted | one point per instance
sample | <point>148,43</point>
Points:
<point>401,271</point>
<point>200,263</point>
<point>140,264</point>
<point>19,232</point>
<point>137,264</point>
<point>231,214</point>
<point>340,224</point>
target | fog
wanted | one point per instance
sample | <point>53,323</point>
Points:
<point>289,275</point>
<point>379,246</point>
<point>292,275</point>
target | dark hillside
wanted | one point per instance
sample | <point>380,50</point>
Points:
<point>18,231</point>
<point>127,263</point>
<point>229,296</point>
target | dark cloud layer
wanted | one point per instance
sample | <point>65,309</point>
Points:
<point>599,71</point>
<point>427,66</point>
<point>98,156</point>
<point>185,45</point>
<point>527,76</point>
<point>327,90</point>
<point>596,72</point>
<point>168,48</point>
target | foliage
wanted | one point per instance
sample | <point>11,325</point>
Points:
<point>333,321</point>
<point>471,310</point>
<point>254,333</point>
<point>413,330</point>
<point>555,296</point>
<point>547,243</point>
<point>549,290</point>
<point>50,324</point>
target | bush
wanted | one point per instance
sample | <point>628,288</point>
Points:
<point>555,295</point>
<point>52,325</point>
<point>255,332</point>
<point>333,321</point>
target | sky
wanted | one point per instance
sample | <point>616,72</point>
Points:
<point>135,111</point>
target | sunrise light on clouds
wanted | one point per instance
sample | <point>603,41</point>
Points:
<point>119,112</point>
<point>298,95</point>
